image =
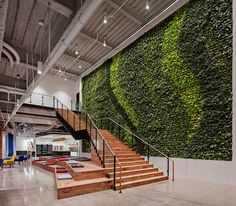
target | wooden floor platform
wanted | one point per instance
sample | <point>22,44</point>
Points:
<point>87,179</point>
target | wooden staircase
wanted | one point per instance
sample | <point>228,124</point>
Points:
<point>135,170</point>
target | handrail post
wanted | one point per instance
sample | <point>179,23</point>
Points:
<point>90,128</point>
<point>148,152</point>
<point>74,121</point>
<point>103,152</point>
<point>67,114</point>
<point>173,171</point>
<point>57,103</point>
<point>86,117</point>
<point>114,177</point>
<point>42,100</point>
<point>132,141</point>
<point>96,137</point>
<point>101,124</point>
<point>62,110</point>
<point>53,102</point>
<point>119,132</point>
<point>168,164</point>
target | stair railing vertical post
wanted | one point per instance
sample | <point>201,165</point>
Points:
<point>108,124</point>
<point>173,170</point>
<point>101,124</point>
<point>42,100</point>
<point>103,152</point>
<point>62,110</point>
<point>67,114</point>
<point>119,132</point>
<point>30,99</point>
<point>53,101</point>
<point>86,117</point>
<point>168,165</point>
<point>90,128</point>
<point>114,175</point>
<point>57,103</point>
<point>96,138</point>
<point>132,141</point>
<point>148,152</point>
<point>80,122</point>
<point>74,120</point>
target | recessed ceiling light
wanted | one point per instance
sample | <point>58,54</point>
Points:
<point>65,79</point>
<point>76,52</point>
<point>80,66</point>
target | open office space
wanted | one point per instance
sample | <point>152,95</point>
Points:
<point>118,102</point>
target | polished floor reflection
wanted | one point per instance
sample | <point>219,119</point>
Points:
<point>31,186</point>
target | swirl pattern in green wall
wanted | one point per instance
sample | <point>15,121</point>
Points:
<point>173,85</point>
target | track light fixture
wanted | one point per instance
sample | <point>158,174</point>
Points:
<point>147,5</point>
<point>105,18</point>
<point>40,67</point>
<point>104,41</point>
<point>41,23</point>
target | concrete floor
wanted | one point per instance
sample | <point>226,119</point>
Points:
<point>28,185</point>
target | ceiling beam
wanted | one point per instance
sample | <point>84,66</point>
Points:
<point>93,37</point>
<point>160,16</point>
<point>58,7</point>
<point>79,20</point>
<point>72,55</point>
<point>127,12</point>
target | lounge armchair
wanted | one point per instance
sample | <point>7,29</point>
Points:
<point>11,161</point>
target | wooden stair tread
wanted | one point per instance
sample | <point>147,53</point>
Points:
<point>139,175</point>
<point>123,172</point>
<point>139,182</point>
<point>130,166</point>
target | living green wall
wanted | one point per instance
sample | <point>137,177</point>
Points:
<point>173,85</point>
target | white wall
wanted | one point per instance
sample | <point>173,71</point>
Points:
<point>48,140</point>
<point>65,91</point>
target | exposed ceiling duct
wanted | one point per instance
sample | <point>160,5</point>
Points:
<point>3,16</point>
<point>8,55</point>
<point>82,16</point>
<point>9,90</point>
<point>13,51</point>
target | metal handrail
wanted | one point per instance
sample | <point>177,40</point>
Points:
<point>114,155</point>
<point>168,159</point>
<point>54,105</point>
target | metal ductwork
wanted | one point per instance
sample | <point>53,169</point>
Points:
<point>13,51</point>
<point>10,90</point>
<point>3,17</point>
<point>8,55</point>
<point>76,25</point>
